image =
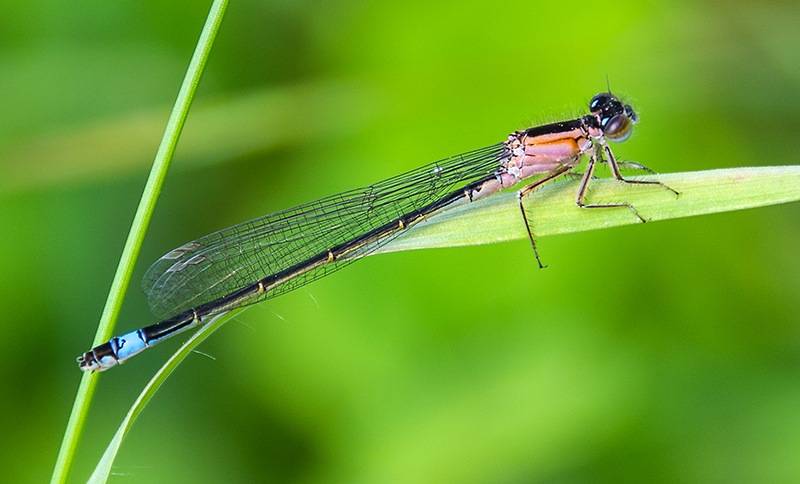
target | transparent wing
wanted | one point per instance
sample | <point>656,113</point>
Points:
<point>220,263</point>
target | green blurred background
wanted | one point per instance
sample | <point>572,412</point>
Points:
<point>662,353</point>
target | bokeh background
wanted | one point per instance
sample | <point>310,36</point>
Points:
<point>661,353</point>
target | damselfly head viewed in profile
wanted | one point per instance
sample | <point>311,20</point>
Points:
<point>274,254</point>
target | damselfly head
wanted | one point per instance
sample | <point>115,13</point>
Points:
<point>616,119</point>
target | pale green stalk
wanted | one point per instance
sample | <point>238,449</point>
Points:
<point>130,252</point>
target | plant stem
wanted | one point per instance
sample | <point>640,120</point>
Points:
<point>141,220</point>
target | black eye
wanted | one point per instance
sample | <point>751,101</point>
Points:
<point>618,128</point>
<point>599,101</point>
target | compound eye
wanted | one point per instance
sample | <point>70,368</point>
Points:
<point>618,128</point>
<point>599,101</point>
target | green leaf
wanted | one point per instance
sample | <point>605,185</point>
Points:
<point>552,210</point>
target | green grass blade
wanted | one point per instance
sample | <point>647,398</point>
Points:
<point>552,210</point>
<point>104,466</point>
<point>133,244</point>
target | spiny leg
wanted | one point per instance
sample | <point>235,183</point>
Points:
<point>614,164</point>
<point>587,176</point>
<point>528,189</point>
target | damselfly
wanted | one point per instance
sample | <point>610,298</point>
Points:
<point>274,254</point>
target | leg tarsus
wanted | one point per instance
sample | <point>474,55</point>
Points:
<point>650,182</point>
<point>613,205</point>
